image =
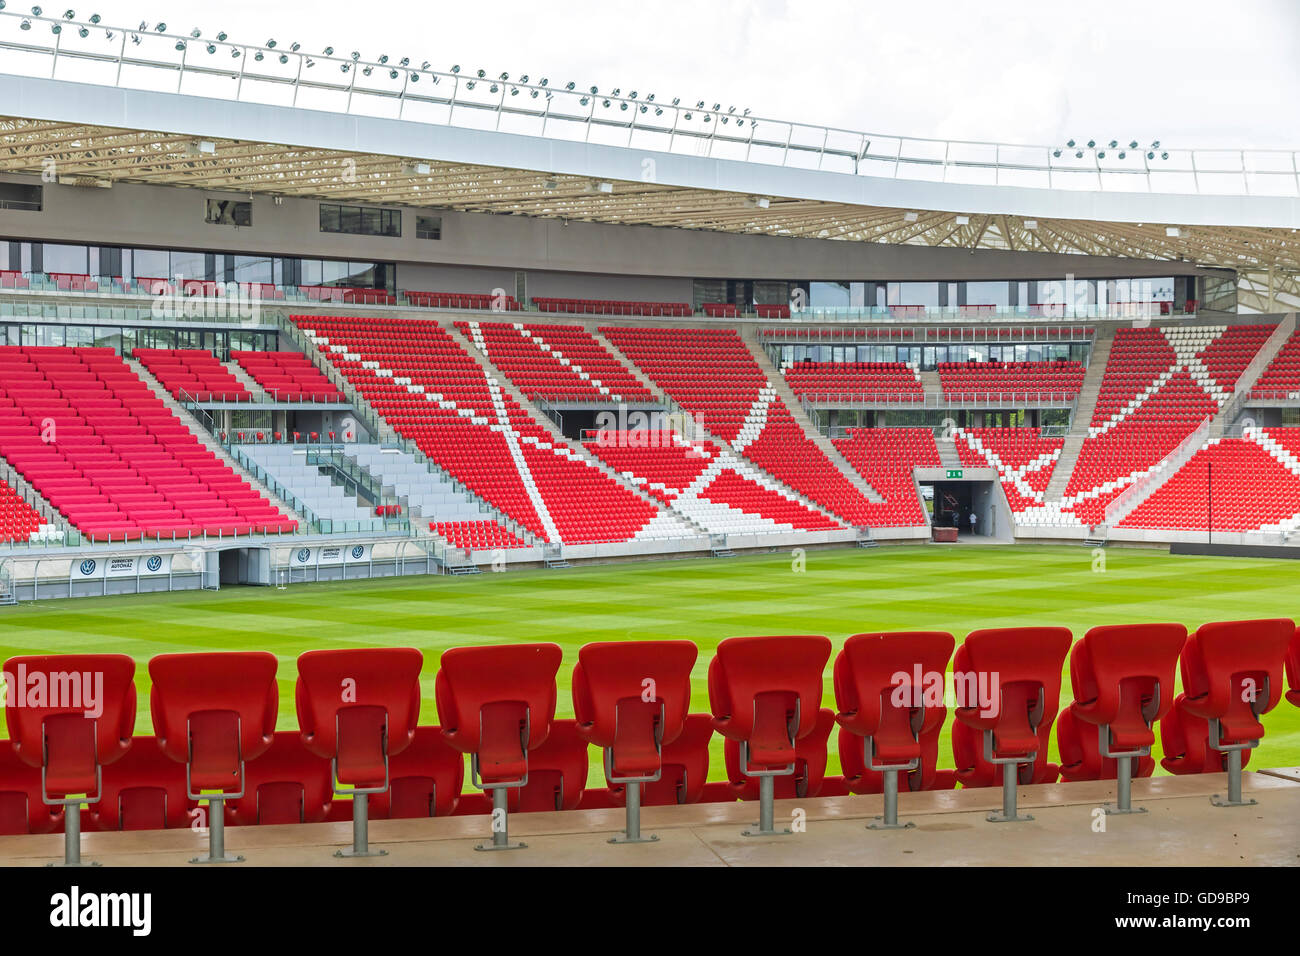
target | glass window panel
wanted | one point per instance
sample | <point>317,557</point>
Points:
<point>56,257</point>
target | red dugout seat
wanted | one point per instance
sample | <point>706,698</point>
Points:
<point>1079,744</point>
<point>1232,675</point>
<point>890,691</point>
<point>557,777</point>
<point>425,779</point>
<point>145,790</point>
<point>1008,688</point>
<point>974,770</point>
<point>809,775</point>
<point>765,694</point>
<point>287,784</point>
<point>22,807</point>
<point>496,704</point>
<point>1123,681</point>
<point>1185,739</point>
<point>631,699</point>
<point>214,712</point>
<point>1293,669</point>
<point>70,715</point>
<point>357,708</point>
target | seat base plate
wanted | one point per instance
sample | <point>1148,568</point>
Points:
<point>757,831</point>
<point>999,817</point>
<point>879,823</point>
<point>1111,810</point>
<point>624,838</point>
<point>501,846</point>
<point>217,859</point>
<point>352,852</point>
<point>1220,801</point>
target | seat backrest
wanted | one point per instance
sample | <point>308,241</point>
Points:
<point>1123,677</point>
<point>557,770</point>
<point>71,713</point>
<point>1293,668</point>
<point>1079,745</point>
<point>425,779</point>
<point>809,764</point>
<point>212,710</point>
<point>1233,672</point>
<point>1013,675</point>
<point>684,772</point>
<point>746,669</point>
<point>1184,738</point>
<point>890,687</point>
<point>346,698</point>
<point>973,770</point>
<point>286,784</point>
<point>622,687</point>
<point>21,808</point>
<point>145,790</point>
<point>498,702</point>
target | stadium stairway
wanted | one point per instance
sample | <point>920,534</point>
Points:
<point>246,380</point>
<point>931,383</point>
<point>667,517</point>
<point>1083,411</point>
<point>948,456</point>
<point>209,440</point>
<point>427,496</point>
<point>318,492</point>
<point>386,434</point>
<point>784,392</point>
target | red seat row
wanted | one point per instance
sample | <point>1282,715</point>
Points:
<point>214,715</point>
<point>463,300</point>
<point>194,373</point>
<point>612,307</point>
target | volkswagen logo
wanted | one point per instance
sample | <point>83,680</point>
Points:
<point>303,555</point>
<point>358,551</point>
<point>88,567</point>
<point>154,563</point>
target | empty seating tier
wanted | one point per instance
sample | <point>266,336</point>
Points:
<point>1281,380</point>
<point>1022,457</point>
<point>893,381</point>
<point>612,307</point>
<point>414,374</point>
<point>885,458</point>
<point>463,300</point>
<point>287,376</point>
<point>193,375</point>
<point>18,521</point>
<point>711,374</point>
<point>1012,381</point>
<point>476,535</point>
<point>561,363</point>
<point>95,441</point>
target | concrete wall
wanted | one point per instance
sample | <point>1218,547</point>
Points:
<point>604,255</point>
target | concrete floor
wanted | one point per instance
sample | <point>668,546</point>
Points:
<point>1181,828</point>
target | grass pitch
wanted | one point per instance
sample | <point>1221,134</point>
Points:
<point>837,593</point>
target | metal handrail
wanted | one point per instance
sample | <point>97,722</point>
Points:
<point>157,60</point>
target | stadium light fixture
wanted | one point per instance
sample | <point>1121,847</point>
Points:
<point>962,220</point>
<point>1031,225</point>
<point>910,216</point>
<point>1173,232</point>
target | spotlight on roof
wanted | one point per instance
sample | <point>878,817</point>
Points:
<point>1056,153</point>
<point>1173,232</point>
<point>1070,144</point>
<point>604,188</point>
<point>1031,225</point>
<point>910,216</point>
<point>962,220</point>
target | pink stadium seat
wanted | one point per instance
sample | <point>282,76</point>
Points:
<point>765,693</point>
<point>890,692</point>
<point>77,716</point>
<point>497,703</point>
<point>286,784</point>
<point>630,699</point>
<point>1232,675</point>
<point>1123,681</point>
<point>214,712</point>
<point>1021,668</point>
<point>356,708</point>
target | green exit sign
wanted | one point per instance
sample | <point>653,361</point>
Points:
<point>954,472</point>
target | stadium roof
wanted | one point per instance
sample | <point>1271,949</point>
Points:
<point>151,107</point>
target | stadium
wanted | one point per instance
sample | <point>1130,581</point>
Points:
<point>402,461</point>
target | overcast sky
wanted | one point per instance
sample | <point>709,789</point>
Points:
<point>1189,73</point>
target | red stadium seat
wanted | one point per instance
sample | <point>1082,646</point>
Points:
<point>765,694</point>
<point>809,775</point>
<point>974,770</point>
<point>1123,681</point>
<point>631,699</point>
<point>425,779</point>
<point>890,691</point>
<point>1232,675</point>
<point>357,708</point>
<point>70,715</point>
<point>1079,743</point>
<point>1014,676</point>
<point>287,784</point>
<point>145,790</point>
<point>214,712</point>
<point>1293,669</point>
<point>496,704</point>
<point>557,771</point>
<point>22,807</point>
<point>1185,739</point>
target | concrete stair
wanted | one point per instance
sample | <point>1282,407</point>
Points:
<point>948,456</point>
<point>1083,410</point>
<point>210,441</point>
<point>930,381</point>
<point>246,380</point>
<point>787,395</point>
